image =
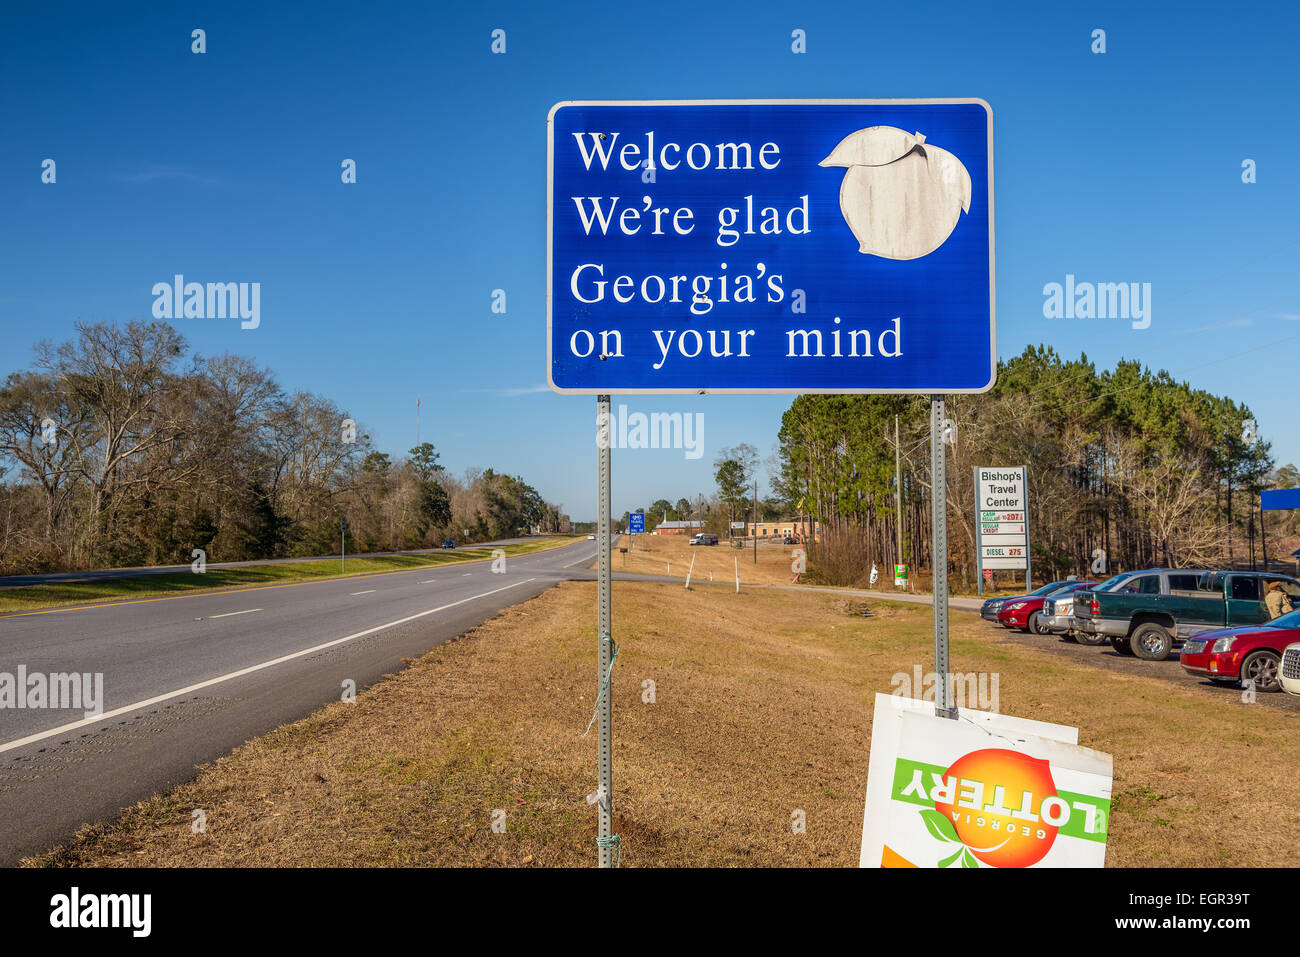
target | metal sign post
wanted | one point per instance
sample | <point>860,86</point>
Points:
<point>604,678</point>
<point>939,528</point>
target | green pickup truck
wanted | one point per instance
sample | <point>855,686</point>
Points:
<point>1145,613</point>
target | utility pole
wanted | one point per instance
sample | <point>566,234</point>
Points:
<point>417,421</point>
<point>1263,538</point>
<point>898,494</point>
<point>1228,442</point>
<point>343,544</point>
<point>755,530</point>
<point>943,701</point>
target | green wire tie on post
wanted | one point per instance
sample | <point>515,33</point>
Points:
<point>614,841</point>
<point>604,686</point>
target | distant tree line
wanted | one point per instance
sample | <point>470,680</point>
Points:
<point>120,448</point>
<point>1126,461</point>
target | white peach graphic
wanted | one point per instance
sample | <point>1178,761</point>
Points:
<point>901,196</point>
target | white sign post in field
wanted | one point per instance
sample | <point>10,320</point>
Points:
<point>1001,521</point>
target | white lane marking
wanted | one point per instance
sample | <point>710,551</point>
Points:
<point>126,709</point>
<point>429,582</point>
<point>246,611</point>
<point>466,575</point>
<point>368,591</point>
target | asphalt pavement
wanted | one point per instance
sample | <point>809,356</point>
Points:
<point>187,678</point>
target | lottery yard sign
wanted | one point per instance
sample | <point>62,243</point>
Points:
<point>751,246</point>
<point>988,790</point>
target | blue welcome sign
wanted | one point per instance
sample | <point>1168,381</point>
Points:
<point>770,246</point>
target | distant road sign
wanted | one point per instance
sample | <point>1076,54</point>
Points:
<point>636,523</point>
<point>1279,498</point>
<point>770,246</point>
<point>737,524</point>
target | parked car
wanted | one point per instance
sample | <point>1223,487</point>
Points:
<point>789,540</point>
<point>449,544</point>
<point>990,610</point>
<point>591,538</point>
<point>1027,613</point>
<point>704,538</point>
<point>1289,673</point>
<point>1145,613</point>
<point>1229,655</point>
<point>1057,616</point>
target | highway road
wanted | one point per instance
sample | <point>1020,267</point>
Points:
<point>187,678</point>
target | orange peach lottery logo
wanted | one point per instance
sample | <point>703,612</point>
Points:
<point>1001,806</point>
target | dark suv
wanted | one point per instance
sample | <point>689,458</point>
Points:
<point>1145,613</point>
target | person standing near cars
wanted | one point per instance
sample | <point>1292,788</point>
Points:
<point>1276,601</point>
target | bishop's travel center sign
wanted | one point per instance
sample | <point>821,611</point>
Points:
<point>770,246</point>
<point>1002,525</point>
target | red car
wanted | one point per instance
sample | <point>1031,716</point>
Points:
<point>1023,612</point>
<point>1232,655</point>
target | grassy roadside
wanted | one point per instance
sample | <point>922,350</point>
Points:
<point>671,556</point>
<point>762,706</point>
<point>58,594</point>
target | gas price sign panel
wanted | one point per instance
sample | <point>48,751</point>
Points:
<point>1002,530</point>
<point>770,246</point>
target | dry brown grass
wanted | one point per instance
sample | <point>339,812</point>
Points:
<point>763,707</point>
<point>652,554</point>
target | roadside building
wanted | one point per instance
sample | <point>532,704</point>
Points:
<point>796,528</point>
<point>677,528</point>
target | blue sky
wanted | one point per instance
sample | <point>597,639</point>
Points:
<point>1122,167</point>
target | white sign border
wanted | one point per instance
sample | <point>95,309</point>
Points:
<point>550,213</point>
<point>886,737</point>
<point>999,563</point>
